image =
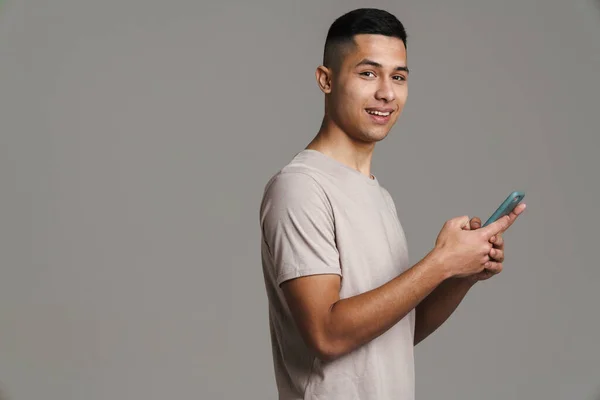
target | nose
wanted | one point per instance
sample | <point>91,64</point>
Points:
<point>385,91</point>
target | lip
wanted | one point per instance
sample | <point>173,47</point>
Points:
<point>378,119</point>
<point>380,109</point>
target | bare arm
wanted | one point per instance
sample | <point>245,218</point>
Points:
<point>299,230</point>
<point>432,312</point>
<point>333,327</point>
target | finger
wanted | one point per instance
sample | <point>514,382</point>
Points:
<point>497,255</point>
<point>494,267</point>
<point>496,227</point>
<point>502,224</point>
<point>462,222</point>
<point>514,214</point>
<point>498,241</point>
<point>475,223</point>
<point>519,209</point>
<point>484,275</point>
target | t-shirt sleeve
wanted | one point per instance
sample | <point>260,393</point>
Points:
<point>390,201</point>
<point>298,227</point>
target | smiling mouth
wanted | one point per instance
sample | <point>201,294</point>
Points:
<point>380,113</point>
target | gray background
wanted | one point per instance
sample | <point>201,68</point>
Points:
<point>136,139</point>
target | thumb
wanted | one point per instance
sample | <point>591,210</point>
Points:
<point>496,227</point>
<point>462,222</point>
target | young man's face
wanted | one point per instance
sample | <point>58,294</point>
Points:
<point>369,90</point>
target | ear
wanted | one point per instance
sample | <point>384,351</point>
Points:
<point>323,75</point>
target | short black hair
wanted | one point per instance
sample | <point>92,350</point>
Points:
<point>356,22</point>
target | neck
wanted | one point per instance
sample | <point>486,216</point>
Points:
<point>332,141</point>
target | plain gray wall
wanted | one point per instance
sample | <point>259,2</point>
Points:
<point>136,139</point>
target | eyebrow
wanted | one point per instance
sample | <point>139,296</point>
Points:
<point>372,63</point>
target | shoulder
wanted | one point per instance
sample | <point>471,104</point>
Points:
<point>388,199</point>
<point>293,189</point>
<point>385,193</point>
<point>291,183</point>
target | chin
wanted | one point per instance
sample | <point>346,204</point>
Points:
<point>374,136</point>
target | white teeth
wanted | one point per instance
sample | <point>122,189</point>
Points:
<point>383,114</point>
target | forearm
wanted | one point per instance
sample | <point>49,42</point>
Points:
<point>436,308</point>
<point>357,320</point>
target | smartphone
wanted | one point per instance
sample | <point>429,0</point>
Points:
<point>506,207</point>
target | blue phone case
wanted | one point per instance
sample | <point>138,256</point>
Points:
<point>506,207</point>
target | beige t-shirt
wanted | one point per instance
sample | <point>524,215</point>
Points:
<point>319,216</point>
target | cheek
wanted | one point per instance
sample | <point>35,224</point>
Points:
<point>357,94</point>
<point>402,94</point>
<point>351,105</point>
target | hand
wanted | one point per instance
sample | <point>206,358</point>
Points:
<point>497,252</point>
<point>463,252</point>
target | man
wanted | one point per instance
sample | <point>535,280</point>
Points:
<point>345,307</point>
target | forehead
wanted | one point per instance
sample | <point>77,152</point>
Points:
<point>387,51</point>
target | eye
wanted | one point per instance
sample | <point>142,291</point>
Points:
<point>400,77</point>
<point>367,72</point>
